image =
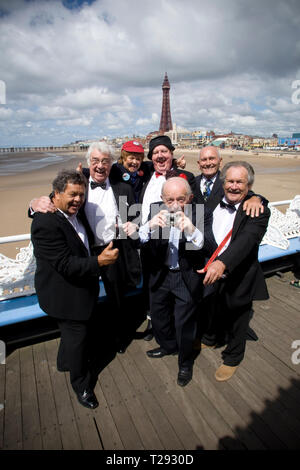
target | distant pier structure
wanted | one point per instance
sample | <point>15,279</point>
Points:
<point>165,119</point>
<point>69,148</point>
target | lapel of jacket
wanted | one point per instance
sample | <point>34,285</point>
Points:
<point>240,216</point>
<point>71,231</point>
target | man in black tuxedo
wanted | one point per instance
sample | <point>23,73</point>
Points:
<point>175,243</point>
<point>105,208</point>
<point>163,167</point>
<point>67,277</point>
<point>235,274</point>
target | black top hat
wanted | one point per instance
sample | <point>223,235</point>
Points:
<point>159,140</point>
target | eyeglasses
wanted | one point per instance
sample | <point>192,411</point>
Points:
<point>104,162</point>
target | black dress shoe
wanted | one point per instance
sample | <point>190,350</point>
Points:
<point>63,369</point>
<point>121,349</point>
<point>159,352</point>
<point>185,375</point>
<point>88,399</point>
<point>148,335</point>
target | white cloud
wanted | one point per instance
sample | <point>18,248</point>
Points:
<point>101,66</point>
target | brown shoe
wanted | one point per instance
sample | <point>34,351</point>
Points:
<point>198,345</point>
<point>207,346</point>
<point>225,372</point>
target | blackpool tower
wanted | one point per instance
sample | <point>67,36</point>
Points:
<point>165,119</point>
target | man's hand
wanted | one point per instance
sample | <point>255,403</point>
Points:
<point>253,206</point>
<point>79,168</point>
<point>180,162</point>
<point>159,220</point>
<point>184,223</point>
<point>214,272</point>
<point>108,256</point>
<point>130,228</point>
<point>42,204</point>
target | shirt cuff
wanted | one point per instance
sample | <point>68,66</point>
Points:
<point>145,233</point>
<point>196,238</point>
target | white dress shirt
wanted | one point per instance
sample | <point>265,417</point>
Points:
<point>223,220</point>
<point>102,213</point>
<point>203,181</point>
<point>152,194</point>
<point>78,227</point>
<point>175,235</point>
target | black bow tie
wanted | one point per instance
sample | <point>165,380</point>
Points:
<point>225,205</point>
<point>96,185</point>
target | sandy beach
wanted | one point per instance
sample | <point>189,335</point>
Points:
<point>277,178</point>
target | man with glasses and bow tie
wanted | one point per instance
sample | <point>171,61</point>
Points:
<point>105,208</point>
<point>233,272</point>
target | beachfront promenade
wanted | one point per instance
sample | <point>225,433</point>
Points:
<point>42,149</point>
<point>142,407</point>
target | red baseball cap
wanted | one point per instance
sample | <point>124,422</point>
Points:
<point>133,146</point>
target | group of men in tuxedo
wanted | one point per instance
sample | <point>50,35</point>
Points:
<point>74,238</point>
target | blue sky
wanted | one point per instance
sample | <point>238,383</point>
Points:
<point>87,69</point>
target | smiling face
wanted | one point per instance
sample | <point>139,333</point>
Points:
<point>132,162</point>
<point>209,161</point>
<point>100,165</point>
<point>162,159</point>
<point>236,184</point>
<point>71,199</point>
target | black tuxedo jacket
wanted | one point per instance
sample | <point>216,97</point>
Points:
<point>66,277</point>
<point>189,257</point>
<point>245,280</point>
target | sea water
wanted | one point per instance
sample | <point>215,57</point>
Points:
<point>24,162</point>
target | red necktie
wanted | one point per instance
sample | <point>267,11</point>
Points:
<point>215,254</point>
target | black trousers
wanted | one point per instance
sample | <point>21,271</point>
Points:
<point>223,325</point>
<point>73,353</point>
<point>174,320</point>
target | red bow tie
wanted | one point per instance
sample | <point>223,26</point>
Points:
<point>157,174</point>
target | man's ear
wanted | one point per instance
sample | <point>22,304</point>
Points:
<point>191,197</point>
<point>56,196</point>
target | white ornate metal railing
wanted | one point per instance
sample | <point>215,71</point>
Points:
<point>17,275</point>
<point>283,226</point>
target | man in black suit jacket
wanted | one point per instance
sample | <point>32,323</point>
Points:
<point>236,266</point>
<point>67,277</point>
<point>105,209</point>
<point>175,243</point>
<point>209,187</point>
<point>163,167</point>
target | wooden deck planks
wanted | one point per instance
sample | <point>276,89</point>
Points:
<point>141,405</point>
<point>30,410</point>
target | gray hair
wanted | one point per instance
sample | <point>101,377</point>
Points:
<point>103,147</point>
<point>237,164</point>
<point>177,179</point>
<point>64,177</point>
